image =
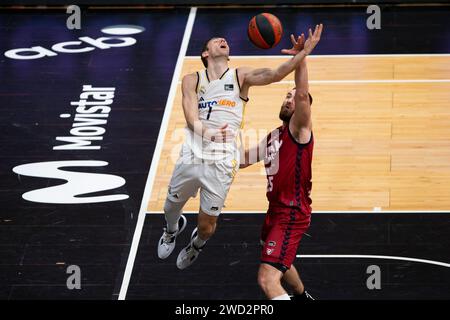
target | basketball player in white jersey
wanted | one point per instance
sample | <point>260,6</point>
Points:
<point>213,103</point>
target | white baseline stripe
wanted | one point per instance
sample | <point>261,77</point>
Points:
<point>362,256</point>
<point>339,56</point>
<point>156,155</point>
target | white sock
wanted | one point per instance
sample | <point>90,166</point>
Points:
<point>282,297</point>
<point>172,228</point>
<point>198,243</point>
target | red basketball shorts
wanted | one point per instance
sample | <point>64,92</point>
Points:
<point>281,234</point>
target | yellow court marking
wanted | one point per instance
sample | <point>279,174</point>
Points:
<point>378,144</point>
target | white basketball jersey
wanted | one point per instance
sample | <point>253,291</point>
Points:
<point>219,103</point>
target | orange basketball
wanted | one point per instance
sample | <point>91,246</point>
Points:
<point>265,30</point>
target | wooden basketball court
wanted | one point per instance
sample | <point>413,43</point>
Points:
<point>381,124</point>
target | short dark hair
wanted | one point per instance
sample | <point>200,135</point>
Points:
<point>309,95</point>
<point>205,48</point>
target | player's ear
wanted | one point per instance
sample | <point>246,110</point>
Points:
<point>205,54</point>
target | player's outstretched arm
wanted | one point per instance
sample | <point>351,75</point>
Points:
<point>301,124</point>
<point>301,119</point>
<point>254,154</point>
<point>265,76</point>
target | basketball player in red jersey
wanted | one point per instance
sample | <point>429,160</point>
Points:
<point>287,153</point>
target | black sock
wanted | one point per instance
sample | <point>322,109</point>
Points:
<point>302,297</point>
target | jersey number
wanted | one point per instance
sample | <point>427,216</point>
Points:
<point>269,183</point>
<point>209,113</point>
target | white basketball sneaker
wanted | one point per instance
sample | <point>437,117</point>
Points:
<point>189,254</point>
<point>166,243</point>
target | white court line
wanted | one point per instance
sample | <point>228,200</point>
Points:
<point>339,56</point>
<point>156,155</point>
<point>321,211</point>
<point>362,256</point>
<point>369,81</point>
<point>352,56</point>
<point>365,81</point>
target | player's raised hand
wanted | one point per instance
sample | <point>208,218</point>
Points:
<point>226,134</point>
<point>313,39</point>
<point>223,134</point>
<point>297,45</point>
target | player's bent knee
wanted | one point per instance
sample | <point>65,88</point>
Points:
<point>206,224</point>
<point>266,281</point>
<point>268,276</point>
<point>172,206</point>
<point>206,229</point>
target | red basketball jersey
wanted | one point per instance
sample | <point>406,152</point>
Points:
<point>288,169</point>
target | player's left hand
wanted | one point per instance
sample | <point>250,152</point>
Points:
<point>313,39</point>
<point>297,45</point>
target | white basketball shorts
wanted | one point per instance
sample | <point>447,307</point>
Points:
<point>213,178</point>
